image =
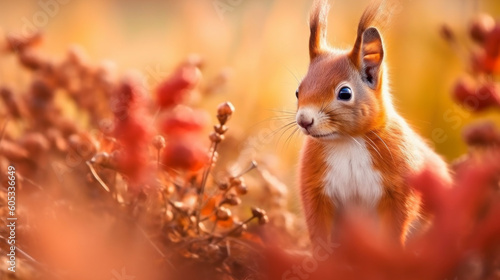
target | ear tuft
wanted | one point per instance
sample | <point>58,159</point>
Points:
<point>371,57</point>
<point>317,24</point>
<point>367,53</point>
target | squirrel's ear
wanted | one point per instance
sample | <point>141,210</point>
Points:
<point>371,55</point>
<point>317,24</point>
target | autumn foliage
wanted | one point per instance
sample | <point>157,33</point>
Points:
<point>130,189</point>
<point>129,180</point>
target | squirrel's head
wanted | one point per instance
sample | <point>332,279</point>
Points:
<point>342,93</point>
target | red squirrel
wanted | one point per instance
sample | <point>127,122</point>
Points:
<point>358,151</point>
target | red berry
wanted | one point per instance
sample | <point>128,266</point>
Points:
<point>185,155</point>
<point>174,89</point>
<point>480,27</point>
<point>184,120</point>
<point>463,90</point>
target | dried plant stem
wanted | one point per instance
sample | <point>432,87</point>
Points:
<point>185,244</point>
<point>227,190</point>
<point>34,184</point>
<point>214,226</point>
<point>96,176</point>
<point>242,243</point>
<point>234,229</point>
<point>137,225</point>
<point>228,248</point>
<point>202,186</point>
<point>153,245</point>
<point>171,203</point>
<point>252,166</point>
<point>34,261</point>
<point>208,216</point>
<point>2,133</point>
<point>158,159</point>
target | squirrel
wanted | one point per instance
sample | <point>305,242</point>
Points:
<point>358,151</point>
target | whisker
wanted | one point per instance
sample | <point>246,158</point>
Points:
<point>323,107</point>
<point>276,131</point>
<point>279,118</point>
<point>333,113</point>
<point>288,125</point>
<point>284,117</point>
<point>384,145</point>
<point>282,111</point>
<point>373,145</point>
<point>293,74</point>
<point>356,141</point>
<point>332,120</point>
<point>284,131</point>
<point>290,137</point>
<point>275,118</point>
<point>332,128</point>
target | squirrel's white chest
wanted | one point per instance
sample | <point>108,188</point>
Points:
<point>350,175</point>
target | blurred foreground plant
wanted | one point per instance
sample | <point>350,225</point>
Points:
<point>131,187</point>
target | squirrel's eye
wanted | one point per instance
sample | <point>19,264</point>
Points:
<point>297,93</point>
<point>345,94</point>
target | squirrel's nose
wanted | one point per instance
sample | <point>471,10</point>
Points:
<point>305,122</point>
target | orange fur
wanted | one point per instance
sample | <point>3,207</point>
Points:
<point>319,208</point>
<point>396,152</point>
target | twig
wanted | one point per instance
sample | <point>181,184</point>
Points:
<point>96,176</point>
<point>202,186</point>
<point>214,226</point>
<point>234,229</point>
<point>3,129</point>
<point>158,159</point>
<point>242,243</point>
<point>33,183</point>
<point>155,247</point>
<point>34,261</point>
<point>208,216</point>
<point>252,166</point>
<point>176,207</point>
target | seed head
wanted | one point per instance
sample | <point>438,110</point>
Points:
<point>258,213</point>
<point>264,220</point>
<point>231,199</point>
<point>101,159</point>
<point>223,186</point>
<point>159,142</point>
<point>235,181</point>
<point>221,129</point>
<point>216,137</point>
<point>242,189</point>
<point>169,215</point>
<point>223,214</point>
<point>224,112</point>
<point>240,228</point>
